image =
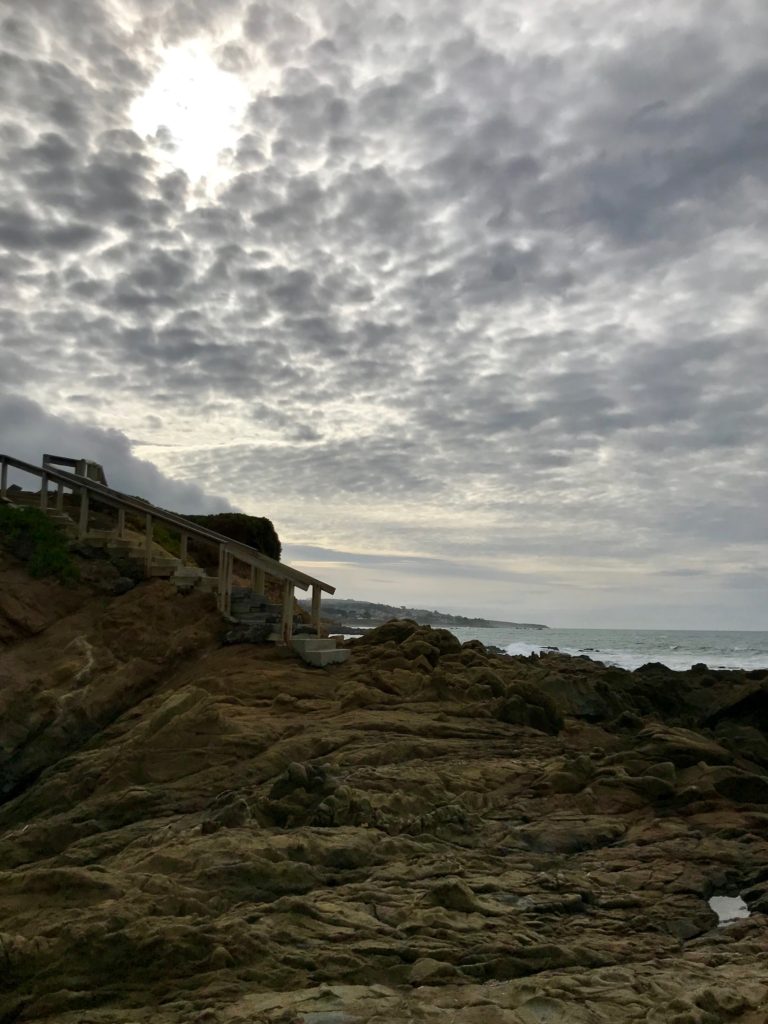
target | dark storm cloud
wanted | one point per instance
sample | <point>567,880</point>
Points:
<point>510,264</point>
<point>27,431</point>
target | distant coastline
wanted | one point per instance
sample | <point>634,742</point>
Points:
<point>365,614</point>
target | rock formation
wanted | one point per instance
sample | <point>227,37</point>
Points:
<point>192,832</point>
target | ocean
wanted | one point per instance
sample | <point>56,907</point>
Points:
<point>630,648</point>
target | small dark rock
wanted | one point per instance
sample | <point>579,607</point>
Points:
<point>244,633</point>
<point>122,585</point>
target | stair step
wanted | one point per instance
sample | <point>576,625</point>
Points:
<point>305,642</point>
<point>326,657</point>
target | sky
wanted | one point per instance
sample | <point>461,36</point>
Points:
<point>468,298</point>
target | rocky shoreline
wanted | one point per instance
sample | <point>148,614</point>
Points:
<point>193,832</point>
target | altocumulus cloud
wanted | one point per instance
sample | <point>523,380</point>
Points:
<point>478,285</point>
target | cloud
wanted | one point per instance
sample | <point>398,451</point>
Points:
<point>28,431</point>
<point>472,279</point>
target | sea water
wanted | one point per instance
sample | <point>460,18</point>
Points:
<point>630,648</point>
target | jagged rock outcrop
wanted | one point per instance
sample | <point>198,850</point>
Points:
<point>193,832</point>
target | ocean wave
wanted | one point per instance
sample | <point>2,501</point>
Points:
<point>681,661</point>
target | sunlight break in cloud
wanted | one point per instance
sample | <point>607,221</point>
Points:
<point>200,105</point>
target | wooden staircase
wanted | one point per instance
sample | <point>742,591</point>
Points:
<point>88,484</point>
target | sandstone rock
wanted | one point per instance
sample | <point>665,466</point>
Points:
<point>680,746</point>
<point>196,831</point>
<point>427,971</point>
<point>743,787</point>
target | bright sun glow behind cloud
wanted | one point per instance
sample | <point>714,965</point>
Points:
<point>199,104</point>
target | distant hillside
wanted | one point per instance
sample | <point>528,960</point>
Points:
<point>369,613</point>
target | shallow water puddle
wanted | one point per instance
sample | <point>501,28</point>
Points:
<point>728,909</point>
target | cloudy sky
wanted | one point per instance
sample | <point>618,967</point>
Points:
<point>468,297</point>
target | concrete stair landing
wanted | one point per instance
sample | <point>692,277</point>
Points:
<point>319,651</point>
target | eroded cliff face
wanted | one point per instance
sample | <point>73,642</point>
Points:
<point>429,832</point>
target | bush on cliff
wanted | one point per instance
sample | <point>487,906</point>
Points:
<point>29,535</point>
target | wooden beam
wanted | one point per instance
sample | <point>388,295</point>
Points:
<point>120,523</point>
<point>221,584</point>
<point>229,563</point>
<point>286,625</point>
<point>317,595</point>
<point>183,547</point>
<point>3,479</point>
<point>43,491</point>
<point>149,533</point>
<point>258,580</point>
<point>60,497</point>
<point>82,526</point>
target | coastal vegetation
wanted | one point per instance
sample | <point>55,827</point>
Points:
<point>31,536</point>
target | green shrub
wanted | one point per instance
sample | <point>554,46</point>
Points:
<point>30,535</point>
<point>162,535</point>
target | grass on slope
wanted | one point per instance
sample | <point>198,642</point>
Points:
<point>29,535</point>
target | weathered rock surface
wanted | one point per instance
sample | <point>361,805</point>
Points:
<point>192,832</point>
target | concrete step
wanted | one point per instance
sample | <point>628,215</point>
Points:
<point>305,642</point>
<point>318,650</point>
<point>326,657</point>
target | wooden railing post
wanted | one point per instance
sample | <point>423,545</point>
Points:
<point>82,526</point>
<point>3,479</point>
<point>60,497</point>
<point>221,585</point>
<point>286,625</point>
<point>120,523</point>
<point>149,528</point>
<point>229,561</point>
<point>43,490</point>
<point>316,598</point>
<point>183,547</point>
<point>258,580</point>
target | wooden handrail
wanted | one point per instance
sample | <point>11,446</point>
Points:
<point>243,552</point>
